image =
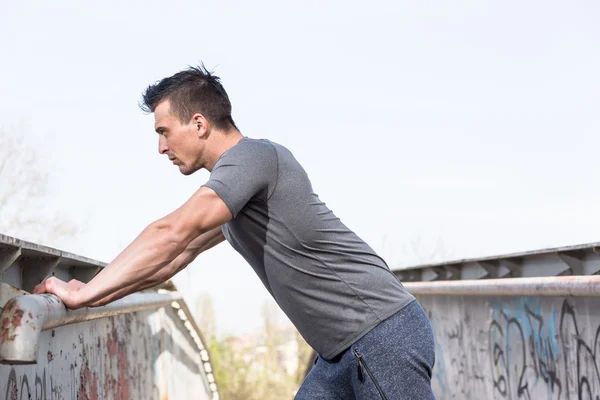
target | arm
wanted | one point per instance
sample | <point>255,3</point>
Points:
<point>157,247</point>
<point>202,243</point>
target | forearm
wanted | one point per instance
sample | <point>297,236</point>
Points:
<point>155,247</point>
<point>158,277</point>
<point>195,248</point>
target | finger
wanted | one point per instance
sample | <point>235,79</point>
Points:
<point>40,288</point>
<point>63,290</point>
<point>57,287</point>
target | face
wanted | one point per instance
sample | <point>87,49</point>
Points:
<point>182,143</point>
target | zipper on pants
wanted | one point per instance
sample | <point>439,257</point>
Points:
<point>359,366</point>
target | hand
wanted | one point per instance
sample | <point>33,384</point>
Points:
<point>69,293</point>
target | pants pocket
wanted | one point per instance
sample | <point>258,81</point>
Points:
<point>361,366</point>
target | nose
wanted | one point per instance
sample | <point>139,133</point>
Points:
<point>162,145</point>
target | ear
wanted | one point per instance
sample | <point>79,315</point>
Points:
<point>201,125</point>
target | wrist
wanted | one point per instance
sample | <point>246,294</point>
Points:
<point>81,297</point>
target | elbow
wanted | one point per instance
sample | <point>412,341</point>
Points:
<point>169,238</point>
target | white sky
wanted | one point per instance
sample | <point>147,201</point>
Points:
<point>470,126</point>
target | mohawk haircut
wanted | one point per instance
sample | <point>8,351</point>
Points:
<point>195,90</point>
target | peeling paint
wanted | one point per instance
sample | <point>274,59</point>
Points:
<point>116,349</point>
<point>88,383</point>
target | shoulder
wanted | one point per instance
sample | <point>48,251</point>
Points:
<point>250,144</point>
<point>258,150</point>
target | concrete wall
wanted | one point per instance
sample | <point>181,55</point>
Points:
<point>515,347</point>
<point>142,355</point>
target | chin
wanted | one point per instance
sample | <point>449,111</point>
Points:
<point>185,170</point>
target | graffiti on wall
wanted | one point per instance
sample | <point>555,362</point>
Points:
<point>77,369</point>
<point>525,348</point>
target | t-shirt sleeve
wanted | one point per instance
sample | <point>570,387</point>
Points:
<point>246,170</point>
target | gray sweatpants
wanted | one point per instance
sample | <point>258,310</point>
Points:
<point>392,362</point>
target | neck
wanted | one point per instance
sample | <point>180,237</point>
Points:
<point>221,142</point>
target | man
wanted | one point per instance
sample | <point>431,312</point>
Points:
<point>372,337</point>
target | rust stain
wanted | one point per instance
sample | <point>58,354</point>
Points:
<point>94,388</point>
<point>10,306</point>
<point>50,356</point>
<point>12,321</point>
<point>17,317</point>
<point>87,380</point>
<point>5,323</point>
<point>123,385</point>
<point>30,315</point>
<point>117,351</point>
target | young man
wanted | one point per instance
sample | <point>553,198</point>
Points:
<point>372,337</point>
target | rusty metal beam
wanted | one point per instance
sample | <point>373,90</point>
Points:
<point>8,255</point>
<point>24,318</point>
<point>541,286</point>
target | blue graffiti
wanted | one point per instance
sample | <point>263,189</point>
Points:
<point>529,351</point>
<point>439,373</point>
<point>516,348</point>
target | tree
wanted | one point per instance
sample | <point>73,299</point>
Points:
<point>205,316</point>
<point>25,211</point>
<point>255,367</point>
<point>305,353</point>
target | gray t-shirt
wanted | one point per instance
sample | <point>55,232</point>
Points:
<point>327,280</point>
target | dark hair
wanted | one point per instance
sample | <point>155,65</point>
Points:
<point>194,90</point>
